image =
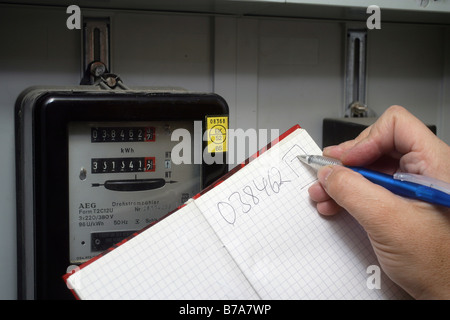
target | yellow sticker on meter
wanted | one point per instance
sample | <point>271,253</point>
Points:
<point>217,128</point>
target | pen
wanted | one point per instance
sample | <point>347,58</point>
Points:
<point>420,191</point>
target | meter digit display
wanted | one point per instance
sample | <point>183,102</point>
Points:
<point>122,134</point>
<point>116,165</point>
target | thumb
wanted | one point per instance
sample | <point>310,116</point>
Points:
<point>372,205</point>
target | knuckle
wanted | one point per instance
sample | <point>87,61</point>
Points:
<point>395,110</point>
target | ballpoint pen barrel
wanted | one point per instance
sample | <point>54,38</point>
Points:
<point>404,188</point>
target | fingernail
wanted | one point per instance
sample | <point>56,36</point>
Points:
<point>323,174</point>
<point>326,150</point>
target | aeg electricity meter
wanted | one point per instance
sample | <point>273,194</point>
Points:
<point>95,166</point>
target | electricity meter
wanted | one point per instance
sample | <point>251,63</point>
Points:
<point>95,166</point>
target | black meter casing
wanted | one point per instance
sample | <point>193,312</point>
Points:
<point>93,166</point>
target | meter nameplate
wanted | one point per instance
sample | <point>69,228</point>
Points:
<point>121,178</point>
<point>217,129</point>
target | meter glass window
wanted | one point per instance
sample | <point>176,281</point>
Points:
<point>122,178</point>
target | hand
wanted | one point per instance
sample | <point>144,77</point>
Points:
<point>410,238</point>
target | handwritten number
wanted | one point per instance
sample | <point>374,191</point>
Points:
<point>255,199</point>
<point>275,185</point>
<point>264,187</point>
<point>273,182</point>
<point>242,202</point>
<point>227,212</point>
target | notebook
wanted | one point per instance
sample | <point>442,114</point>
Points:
<point>255,234</point>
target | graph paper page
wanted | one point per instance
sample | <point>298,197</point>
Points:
<point>264,217</point>
<point>177,258</point>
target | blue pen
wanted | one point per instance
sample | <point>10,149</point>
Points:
<point>420,191</point>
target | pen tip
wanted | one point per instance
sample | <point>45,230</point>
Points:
<point>303,158</point>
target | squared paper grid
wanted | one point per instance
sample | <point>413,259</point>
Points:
<point>282,245</point>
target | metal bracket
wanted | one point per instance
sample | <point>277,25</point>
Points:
<point>96,55</point>
<point>355,90</point>
<point>95,48</point>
